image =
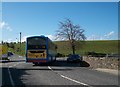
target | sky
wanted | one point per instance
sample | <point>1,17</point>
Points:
<point>98,19</point>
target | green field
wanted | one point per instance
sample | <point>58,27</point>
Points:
<point>105,46</point>
<point>89,46</point>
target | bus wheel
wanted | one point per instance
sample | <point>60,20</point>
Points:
<point>35,63</point>
<point>55,59</point>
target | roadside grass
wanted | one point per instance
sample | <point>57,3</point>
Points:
<point>17,50</point>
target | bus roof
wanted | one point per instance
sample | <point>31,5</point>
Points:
<point>38,36</point>
<point>41,36</point>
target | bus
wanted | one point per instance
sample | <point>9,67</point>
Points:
<point>40,49</point>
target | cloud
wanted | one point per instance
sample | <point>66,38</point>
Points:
<point>93,37</point>
<point>52,37</point>
<point>109,35</point>
<point>4,25</point>
<point>55,38</point>
<point>9,40</point>
<point>24,38</point>
<point>8,28</point>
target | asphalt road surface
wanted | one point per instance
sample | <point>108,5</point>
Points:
<point>19,73</point>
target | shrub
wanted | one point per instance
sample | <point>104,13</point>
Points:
<point>60,55</point>
<point>94,54</point>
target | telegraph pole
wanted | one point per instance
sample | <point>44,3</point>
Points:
<point>20,42</point>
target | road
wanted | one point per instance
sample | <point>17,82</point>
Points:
<point>19,73</point>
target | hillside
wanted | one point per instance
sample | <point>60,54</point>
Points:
<point>106,46</point>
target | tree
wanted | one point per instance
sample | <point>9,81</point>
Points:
<point>71,32</point>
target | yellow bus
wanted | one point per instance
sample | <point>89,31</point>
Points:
<point>40,49</point>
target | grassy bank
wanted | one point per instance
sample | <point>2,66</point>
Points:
<point>106,46</point>
<point>89,46</point>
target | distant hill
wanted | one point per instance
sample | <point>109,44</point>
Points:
<point>105,46</point>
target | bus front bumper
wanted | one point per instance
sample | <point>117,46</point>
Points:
<point>37,60</point>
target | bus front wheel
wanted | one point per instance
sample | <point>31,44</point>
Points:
<point>35,63</point>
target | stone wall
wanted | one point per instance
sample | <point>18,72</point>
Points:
<point>103,62</point>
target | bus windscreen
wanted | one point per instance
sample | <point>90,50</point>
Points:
<point>36,43</point>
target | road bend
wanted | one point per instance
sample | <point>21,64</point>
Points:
<point>19,73</point>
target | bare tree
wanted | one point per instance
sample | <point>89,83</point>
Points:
<point>71,32</point>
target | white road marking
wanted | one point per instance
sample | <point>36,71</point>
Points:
<point>71,79</point>
<point>49,68</point>
<point>10,66</point>
<point>10,73</point>
<point>75,81</point>
<point>14,65</point>
<point>11,78</point>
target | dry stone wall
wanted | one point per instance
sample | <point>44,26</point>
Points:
<point>103,62</point>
